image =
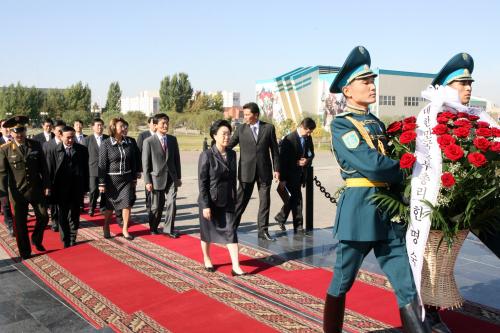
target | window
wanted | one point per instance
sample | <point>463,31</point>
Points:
<point>411,101</point>
<point>387,100</point>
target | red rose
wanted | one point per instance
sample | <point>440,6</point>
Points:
<point>440,129</point>
<point>482,124</point>
<point>462,123</point>
<point>445,140</point>
<point>462,115</point>
<point>495,147</point>
<point>481,143</point>
<point>461,132</point>
<point>495,131</point>
<point>483,132</point>
<point>410,120</point>
<point>453,152</point>
<point>394,127</point>
<point>442,120</point>
<point>407,137</point>
<point>407,161</point>
<point>477,159</point>
<point>409,126</point>
<point>473,117</point>
<point>447,179</point>
<point>448,114</point>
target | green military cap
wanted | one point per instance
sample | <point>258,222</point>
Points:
<point>356,66</point>
<point>16,123</point>
<point>458,68</point>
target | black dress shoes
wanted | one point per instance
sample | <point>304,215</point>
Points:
<point>210,269</point>
<point>281,225</point>
<point>265,236</point>
<point>233,273</point>
<point>55,228</point>
<point>129,237</point>
<point>11,231</point>
<point>39,247</point>
<point>91,213</point>
<point>172,235</point>
<point>154,232</point>
<point>26,257</point>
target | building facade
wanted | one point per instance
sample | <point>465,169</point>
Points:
<point>147,102</point>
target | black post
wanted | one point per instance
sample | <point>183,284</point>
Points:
<point>205,144</point>
<point>309,198</point>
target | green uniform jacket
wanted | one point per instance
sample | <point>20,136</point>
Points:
<point>358,219</point>
<point>27,174</point>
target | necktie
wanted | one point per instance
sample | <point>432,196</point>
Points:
<point>68,151</point>
<point>302,141</point>
<point>255,134</point>
<point>164,145</point>
<point>98,139</point>
<point>22,149</point>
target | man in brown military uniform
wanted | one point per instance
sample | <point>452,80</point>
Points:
<point>23,168</point>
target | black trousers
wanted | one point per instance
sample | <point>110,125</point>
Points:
<point>94,195</point>
<point>69,219</point>
<point>294,204</point>
<point>243,197</point>
<point>7,212</point>
<point>163,199</point>
<point>20,205</point>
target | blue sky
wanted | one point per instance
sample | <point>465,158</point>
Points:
<point>228,45</point>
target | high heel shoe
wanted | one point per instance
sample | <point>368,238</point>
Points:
<point>233,273</point>
<point>210,269</point>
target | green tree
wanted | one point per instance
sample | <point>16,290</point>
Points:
<point>70,116</point>
<point>136,119</point>
<point>78,97</point>
<point>113,102</point>
<point>20,100</point>
<point>175,93</point>
<point>107,116</point>
<point>54,104</point>
<point>285,127</point>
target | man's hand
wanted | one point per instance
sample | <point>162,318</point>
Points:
<point>102,188</point>
<point>282,184</point>
<point>149,187</point>
<point>302,162</point>
<point>276,176</point>
<point>46,192</point>
<point>207,213</point>
<point>178,183</point>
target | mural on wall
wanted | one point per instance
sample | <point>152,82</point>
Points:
<point>269,101</point>
<point>330,104</point>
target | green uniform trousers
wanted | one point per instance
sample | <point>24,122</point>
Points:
<point>20,206</point>
<point>392,257</point>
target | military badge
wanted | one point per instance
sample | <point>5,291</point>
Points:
<point>465,56</point>
<point>351,140</point>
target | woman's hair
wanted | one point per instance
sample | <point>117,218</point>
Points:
<point>112,125</point>
<point>215,127</point>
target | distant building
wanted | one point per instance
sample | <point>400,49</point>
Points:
<point>305,91</point>
<point>231,99</point>
<point>234,112</point>
<point>147,102</point>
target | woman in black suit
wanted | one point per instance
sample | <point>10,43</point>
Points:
<point>217,184</point>
<point>117,175</point>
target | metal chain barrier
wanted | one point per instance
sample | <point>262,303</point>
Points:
<point>323,190</point>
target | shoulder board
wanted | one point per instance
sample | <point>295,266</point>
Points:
<point>343,114</point>
<point>5,144</point>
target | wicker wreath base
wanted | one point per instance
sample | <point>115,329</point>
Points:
<point>438,279</point>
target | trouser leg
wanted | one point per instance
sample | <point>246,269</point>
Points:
<point>148,201</point>
<point>282,216</point>
<point>170,207</point>
<point>296,207</point>
<point>393,259</point>
<point>243,197</point>
<point>93,193</point>
<point>157,205</point>
<point>7,212</point>
<point>74,221</point>
<point>42,219</point>
<point>20,226</point>
<point>64,210</point>
<point>264,206</point>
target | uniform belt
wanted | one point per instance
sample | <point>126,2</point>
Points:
<point>364,182</point>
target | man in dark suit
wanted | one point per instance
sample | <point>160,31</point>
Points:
<point>161,165</point>
<point>140,141</point>
<point>296,153</point>
<point>68,164</point>
<point>23,167</point>
<point>93,142</point>
<point>79,136</point>
<point>47,134</point>
<point>56,140</point>
<point>5,202</point>
<point>256,139</point>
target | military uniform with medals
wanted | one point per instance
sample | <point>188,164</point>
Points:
<point>23,169</point>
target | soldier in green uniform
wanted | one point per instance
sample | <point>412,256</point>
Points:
<point>359,144</point>
<point>23,168</point>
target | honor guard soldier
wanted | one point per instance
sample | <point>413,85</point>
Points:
<point>359,143</point>
<point>23,168</point>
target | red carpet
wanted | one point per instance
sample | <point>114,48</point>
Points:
<point>157,284</point>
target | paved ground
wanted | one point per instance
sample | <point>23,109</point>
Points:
<point>26,305</point>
